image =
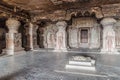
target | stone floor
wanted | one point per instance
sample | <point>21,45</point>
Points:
<point>44,65</point>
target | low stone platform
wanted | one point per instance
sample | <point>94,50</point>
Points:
<point>81,63</point>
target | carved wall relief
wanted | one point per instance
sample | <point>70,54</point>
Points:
<point>73,37</point>
<point>17,41</point>
<point>109,43</point>
<point>61,36</point>
<point>50,36</point>
<point>117,34</point>
<point>50,39</point>
<point>95,36</point>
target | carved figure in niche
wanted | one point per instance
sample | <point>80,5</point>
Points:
<point>17,40</point>
<point>61,41</point>
<point>109,40</point>
<point>41,37</point>
<point>51,39</point>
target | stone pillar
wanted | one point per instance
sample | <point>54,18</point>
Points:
<point>31,35</point>
<point>108,36</point>
<point>13,38</point>
<point>61,36</point>
<point>35,41</point>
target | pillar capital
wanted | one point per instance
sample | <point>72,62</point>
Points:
<point>61,24</point>
<point>12,25</point>
<point>108,21</point>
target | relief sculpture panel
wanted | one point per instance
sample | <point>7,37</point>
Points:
<point>117,34</point>
<point>50,36</point>
<point>73,37</point>
<point>95,37</point>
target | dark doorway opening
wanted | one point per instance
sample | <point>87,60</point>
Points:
<point>84,36</point>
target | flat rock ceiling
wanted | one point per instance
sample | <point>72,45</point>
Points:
<point>44,6</point>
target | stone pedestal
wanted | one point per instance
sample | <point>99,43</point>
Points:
<point>13,38</point>
<point>81,63</point>
<point>108,36</point>
<point>61,37</point>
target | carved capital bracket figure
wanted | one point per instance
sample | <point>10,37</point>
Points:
<point>13,38</point>
<point>108,36</point>
<point>61,41</point>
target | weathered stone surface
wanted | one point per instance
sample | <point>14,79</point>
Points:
<point>41,39</point>
<point>108,35</point>
<point>111,10</point>
<point>74,33</point>
<point>13,25</point>
<point>13,38</point>
<point>61,36</point>
<point>50,36</point>
<point>117,33</point>
<point>73,37</point>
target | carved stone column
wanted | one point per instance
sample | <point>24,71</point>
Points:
<point>31,35</point>
<point>108,36</point>
<point>35,41</point>
<point>61,36</point>
<point>13,38</point>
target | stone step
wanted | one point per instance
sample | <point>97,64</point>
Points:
<point>81,63</point>
<point>78,67</point>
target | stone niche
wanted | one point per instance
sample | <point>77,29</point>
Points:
<point>84,33</point>
<point>50,36</point>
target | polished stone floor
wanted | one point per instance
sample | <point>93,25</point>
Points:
<point>44,65</point>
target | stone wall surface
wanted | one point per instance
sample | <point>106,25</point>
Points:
<point>93,33</point>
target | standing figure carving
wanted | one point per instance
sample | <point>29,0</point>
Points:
<point>61,38</point>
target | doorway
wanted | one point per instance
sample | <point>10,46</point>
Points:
<point>84,37</point>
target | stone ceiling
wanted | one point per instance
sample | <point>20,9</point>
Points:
<point>45,7</point>
<point>38,6</point>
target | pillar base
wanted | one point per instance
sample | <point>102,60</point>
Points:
<point>13,52</point>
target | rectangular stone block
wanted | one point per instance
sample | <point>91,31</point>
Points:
<point>76,67</point>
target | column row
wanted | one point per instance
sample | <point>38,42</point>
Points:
<point>13,38</point>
